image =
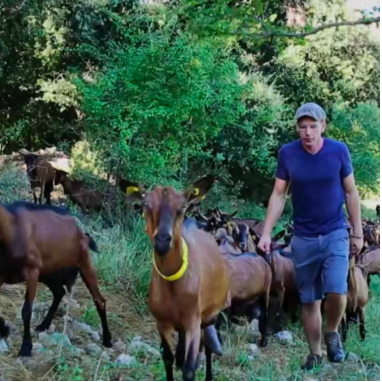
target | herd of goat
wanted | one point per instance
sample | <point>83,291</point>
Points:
<point>204,264</point>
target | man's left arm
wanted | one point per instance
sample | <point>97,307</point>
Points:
<point>353,204</point>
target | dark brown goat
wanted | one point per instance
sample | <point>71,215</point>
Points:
<point>189,281</point>
<point>80,193</point>
<point>44,244</point>
<point>40,174</point>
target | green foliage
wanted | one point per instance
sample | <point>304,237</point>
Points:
<point>359,129</point>
<point>336,65</point>
<point>168,91</point>
<point>158,104</point>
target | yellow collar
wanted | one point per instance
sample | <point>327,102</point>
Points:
<point>182,269</point>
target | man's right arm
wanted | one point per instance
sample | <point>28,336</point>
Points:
<point>276,205</point>
<point>276,202</point>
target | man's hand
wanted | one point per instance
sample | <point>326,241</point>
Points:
<point>356,245</point>
<point>265,243</point>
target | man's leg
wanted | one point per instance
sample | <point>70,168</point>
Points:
<point>335,306</point>
<point>307,259</point>
<point>311,321</point>
<point>335,272</point>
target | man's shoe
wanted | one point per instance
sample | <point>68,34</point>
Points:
<point>334,347</point>
<point>312,361</point>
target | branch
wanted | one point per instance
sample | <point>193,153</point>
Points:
<point>270,33</point>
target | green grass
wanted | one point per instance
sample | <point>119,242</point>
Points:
<point>124,265</point>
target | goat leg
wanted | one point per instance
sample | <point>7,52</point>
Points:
<point>26,313</point>
<point>211,340</point>
<point>167,355</point>
<point>42,191</point>
<point>344,327</point>
<point>362,330</point>
<point>263,321</point>
<point>209,376</point>
<point>34,195</point>
<point>180,350</point>
<point>4,328</point>
<point>58,292</point>
<point>193,335</point>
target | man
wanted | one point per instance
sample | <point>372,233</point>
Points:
<point>320,175</point>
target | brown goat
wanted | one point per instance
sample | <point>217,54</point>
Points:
<point>370,261</point>
<point>226,243</point>
<point>40,174</point>
<point>357,298</point>
<point>240,232</point>
<point>44,244</point>
<point>190,281</point>
<point>79,192</point>
<point>250,282</point>
<point>284,287</point>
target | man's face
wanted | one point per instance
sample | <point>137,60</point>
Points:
<point>310,130</point>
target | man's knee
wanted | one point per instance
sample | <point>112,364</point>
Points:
<point>311,308</point>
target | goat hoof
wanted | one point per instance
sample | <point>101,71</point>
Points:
<point>263,343</point>
<point>107,343</point>
<point>25,351</point>
<point>41,328</point>
<point>4,331</point>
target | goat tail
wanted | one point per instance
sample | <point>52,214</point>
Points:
<point>92,244</point>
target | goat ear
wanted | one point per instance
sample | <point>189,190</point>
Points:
<point>199,189</point>
<point>24,152</point>
<point>230,239</point>
<point>133,190</point>
<point>233,214</point>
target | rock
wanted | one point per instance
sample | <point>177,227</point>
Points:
<point>253,350</point>
<point>74,351</point>
<point>49,340</point>
<point>251,358</point>
<point>200,359</point>
<point>52,329</point>
<point>93,349</point>
<point>84,328</point>
<point>4,348</point>
<point>13,329</point>
<point>105,356</point>
<point>285,337</point>
<point>39,361</point>
<point>327,372</point>
<point>138,346</point>
<point>73,303</point>
<point>39,310</point>
<point>119,346</point>
<point>352,357</point>
<point>51,150</point>
<point>254,326</point>
<point>38,346</point>
<point>125,359</point>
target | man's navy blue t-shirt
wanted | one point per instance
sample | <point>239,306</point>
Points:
<point>316,185</point>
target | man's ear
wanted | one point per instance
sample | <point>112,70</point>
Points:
<point>133,190</point>
<point>199,189</point>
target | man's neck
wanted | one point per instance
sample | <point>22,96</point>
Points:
<point>316,148</point>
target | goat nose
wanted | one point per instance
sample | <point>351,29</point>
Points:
<point>243,246</point>
<point>162,243</point>
<point>164,237</point>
